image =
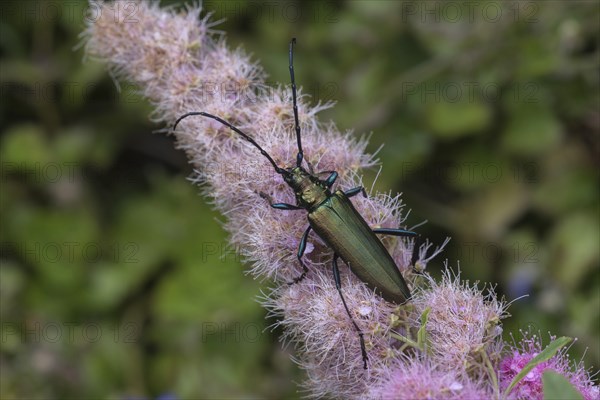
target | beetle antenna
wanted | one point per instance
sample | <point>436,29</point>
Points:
<point>300,155</point>
<point>278,169</point>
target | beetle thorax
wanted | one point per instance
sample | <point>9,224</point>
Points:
<point>309,190</point>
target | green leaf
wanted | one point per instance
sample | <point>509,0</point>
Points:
<point>73,146</point>
<point>538,58</point>
<point>557,387</point>
<point>574,242</point>
<point>532,129</point>
<point>545,355</point>
<point>422,333</point>
<point>25,148</point>
<point>450,120</point>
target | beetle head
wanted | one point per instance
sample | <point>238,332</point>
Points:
<point>309,190</point>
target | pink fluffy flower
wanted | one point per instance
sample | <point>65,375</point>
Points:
<point>464,326</point>
<point>531,386</point>
<point>181,66</point>
<point>422,381</point>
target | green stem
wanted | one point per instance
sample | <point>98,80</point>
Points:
<point>491,372</point>
<point>406,340</point>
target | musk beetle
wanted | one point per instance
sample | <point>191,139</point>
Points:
<point>333,217</point>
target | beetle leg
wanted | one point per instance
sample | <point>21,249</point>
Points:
<point>333,175</point>
<point>301,250</point>
<point>338,285</point>
<point>353,192</point>
<point>331,179</point>
<point>279,206</point>
<point>394,232</point>
<point>285,206</point>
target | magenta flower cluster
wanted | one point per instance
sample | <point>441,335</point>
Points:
<point>530,387</point>
<point>444,344</point>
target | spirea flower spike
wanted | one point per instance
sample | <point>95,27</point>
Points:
<point>177,61</point>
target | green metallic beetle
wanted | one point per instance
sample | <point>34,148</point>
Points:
<point>333,217</point>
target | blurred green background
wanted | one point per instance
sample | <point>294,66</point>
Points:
<point>116,279</point>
